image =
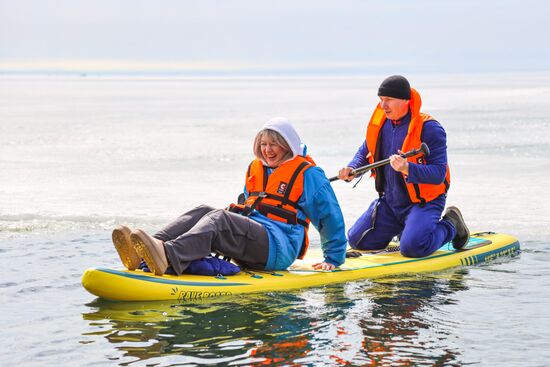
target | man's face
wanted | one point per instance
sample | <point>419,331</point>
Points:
<point>393,107</point>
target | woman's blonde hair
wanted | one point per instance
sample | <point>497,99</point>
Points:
<point>277,138</point>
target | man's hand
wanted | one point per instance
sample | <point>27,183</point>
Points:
<point>399,163</point>
<point>345,174</point>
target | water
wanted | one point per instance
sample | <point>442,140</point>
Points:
<point>81,154</point>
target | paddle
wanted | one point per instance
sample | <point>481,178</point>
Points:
<point>423,150</point>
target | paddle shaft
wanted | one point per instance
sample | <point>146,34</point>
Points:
<point>423,150</point>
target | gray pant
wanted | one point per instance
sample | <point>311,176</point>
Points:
<point>204,230</point>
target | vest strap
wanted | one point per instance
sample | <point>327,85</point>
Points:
<point>280,198</point>
<point>293,180</point>
<point>419,196</point>
<point>287,215</point>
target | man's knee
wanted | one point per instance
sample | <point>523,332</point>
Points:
<point>410,252</point>
<point>355,235</point>
<point>412,248</point>
<point>365,241</point>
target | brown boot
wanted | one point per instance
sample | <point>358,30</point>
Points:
<point>151,250</point>
<point>124,247</point>
<point>453,215</point>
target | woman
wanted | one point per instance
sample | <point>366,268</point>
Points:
<point>284,192</point>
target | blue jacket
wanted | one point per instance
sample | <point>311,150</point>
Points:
<point>392,137</point>
<point>318,203</point>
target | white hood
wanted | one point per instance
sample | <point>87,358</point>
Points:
<point>283,126</point>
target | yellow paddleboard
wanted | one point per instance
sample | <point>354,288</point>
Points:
<point>126,285</point>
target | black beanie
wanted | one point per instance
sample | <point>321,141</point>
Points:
<point>395,86</point>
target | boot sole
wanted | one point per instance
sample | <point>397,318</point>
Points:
<point>149,251</point>
<point>465,226</point>
<point>123,245</point>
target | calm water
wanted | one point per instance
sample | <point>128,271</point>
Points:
<point>79,155</point>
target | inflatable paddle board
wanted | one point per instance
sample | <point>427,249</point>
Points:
<point>127,285</point>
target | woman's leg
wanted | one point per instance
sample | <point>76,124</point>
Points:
<point>229,234</point>
<point>183,223</point>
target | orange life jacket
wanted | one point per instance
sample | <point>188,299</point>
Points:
<point>418,193</point>
<point>276,195</point>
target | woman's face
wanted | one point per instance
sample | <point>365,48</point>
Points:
<point>272,153</point>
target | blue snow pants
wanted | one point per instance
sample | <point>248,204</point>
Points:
<point>422,229</point>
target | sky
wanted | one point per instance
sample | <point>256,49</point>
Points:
<point>284,36</point>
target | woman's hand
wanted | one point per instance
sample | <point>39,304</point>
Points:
<point>323,266</point>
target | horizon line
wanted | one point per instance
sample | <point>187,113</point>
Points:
<point>229,67</point>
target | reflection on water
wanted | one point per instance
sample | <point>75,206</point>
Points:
<point>394,321</point>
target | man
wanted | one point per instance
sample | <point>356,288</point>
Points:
<point>412,191</point>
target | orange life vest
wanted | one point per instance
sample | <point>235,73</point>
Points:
<point>276,195</point>
<point>418,193</point>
